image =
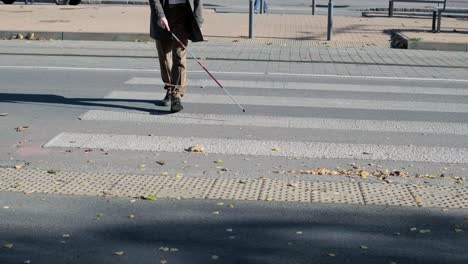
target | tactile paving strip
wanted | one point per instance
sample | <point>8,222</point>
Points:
<point>33,181</point>
<point>91,184</point>
<point>440,196</point>
<point>236,189</point>
<point>386,194</point>
<point>336,192</point>
<point>285,191</point>
<point>141,185</point>
<point>187,188</point>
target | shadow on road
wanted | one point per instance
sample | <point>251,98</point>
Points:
<point>92,102</point>
<point>256,232</point>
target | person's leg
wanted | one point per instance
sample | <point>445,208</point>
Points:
<point>256,6</point>
<point>265,7</point>
<point>164,48</point>
<point>179,69</point>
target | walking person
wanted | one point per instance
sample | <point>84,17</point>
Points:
<point>256,6</point>
<point>184,18</point>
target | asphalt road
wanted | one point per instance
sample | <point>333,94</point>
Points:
<point>66,229</point>
<point>396,127</point>
<point>383,119</point>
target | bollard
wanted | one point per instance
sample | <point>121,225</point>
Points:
<point>330,20</point>
<point>313,7</point>
<point>251,18</point>
<point>261,6</point>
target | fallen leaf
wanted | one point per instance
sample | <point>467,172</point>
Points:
<point>149,197</point>
<point>418,200</point>
<point>364,247</point>
<point>214,257</point>
<point>173,250</point>
<point>196,148</point>
<point>160,162</point>
<point>231,206</point>
<point>229,230</point>
<point>133,201</point>
<point>424,231</point>
<point>220,204</point>
<point>299,232</point>
<point>21,128</point>
<point>331,254</point>
<point>19,166</point>
<point>458,230</point>
<point>8,245</point>
<point>118,253</point>
<point>52,171</point>
<point>219,161</point>
<point>6,207</point>
<point>275,149</point>
<point>216,212</point>
<point>364,174</point>
<point>131,216</point>
<point>3,114</point>
<point>65,235</point>
<point>163,261</point>
<point>27,261</point>
<point>164,249</point>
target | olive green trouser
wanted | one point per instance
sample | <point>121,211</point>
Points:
<point>173,57</point>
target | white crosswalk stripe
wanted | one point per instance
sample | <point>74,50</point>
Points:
<point>263,148</point>
<point>311,86</point>
<point>290,147</point>
<point>302,102</point>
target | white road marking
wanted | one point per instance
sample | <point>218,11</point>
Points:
<point>309,86</point>
<point>264,147</point>
<point>301,102</point>
<point>283,122</point>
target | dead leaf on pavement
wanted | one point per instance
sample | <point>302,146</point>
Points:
<point>131,216</point>
<point>160,162</point>
<point>364,247</point>
<point>219,161</point>
<point>8,245</point>
<point>65,235</point>
<point>458,230</point>
<point>275,149</point>
<point>3,114</point>
<point>196,148</point>
<point>21,128</point>
<point>214,257</point>
<point>149,197</point>
<point>331,254</point>
<point>118,253</point>
<point>424,231</point>
<point>163,261</point>
<point>19,166</point>
<point>27,261</point>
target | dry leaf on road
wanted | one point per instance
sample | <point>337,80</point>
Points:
<point>196,148</point>
<point>21,128</point>
<point>8,245</point>
<point>118,253</point>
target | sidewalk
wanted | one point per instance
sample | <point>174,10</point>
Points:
<point>270,29</point>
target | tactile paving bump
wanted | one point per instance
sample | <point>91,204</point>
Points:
<point>440,196</point>
<point>235,189</point>
<point>33,181</point>
<point>285,191</point>
<point>386,194</point>
<point>90,184</point>
<point>187,188</point>
<point>141,185</point>
<point>336,192</point>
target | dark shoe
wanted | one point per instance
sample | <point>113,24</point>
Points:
<point>165,101</point>
<point>176,105</point>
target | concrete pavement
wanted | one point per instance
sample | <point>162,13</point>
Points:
<point>112,23</point>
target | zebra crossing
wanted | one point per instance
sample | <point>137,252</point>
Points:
<point>377,99</point>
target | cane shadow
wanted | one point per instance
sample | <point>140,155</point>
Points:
<point>87,102</point>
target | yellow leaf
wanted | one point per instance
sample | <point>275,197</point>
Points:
<point>150,197</point>
<point>275,149</point>
<point>8,245</point>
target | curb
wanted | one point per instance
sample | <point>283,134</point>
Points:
<point>400,40</point>
<point>86,36</point>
